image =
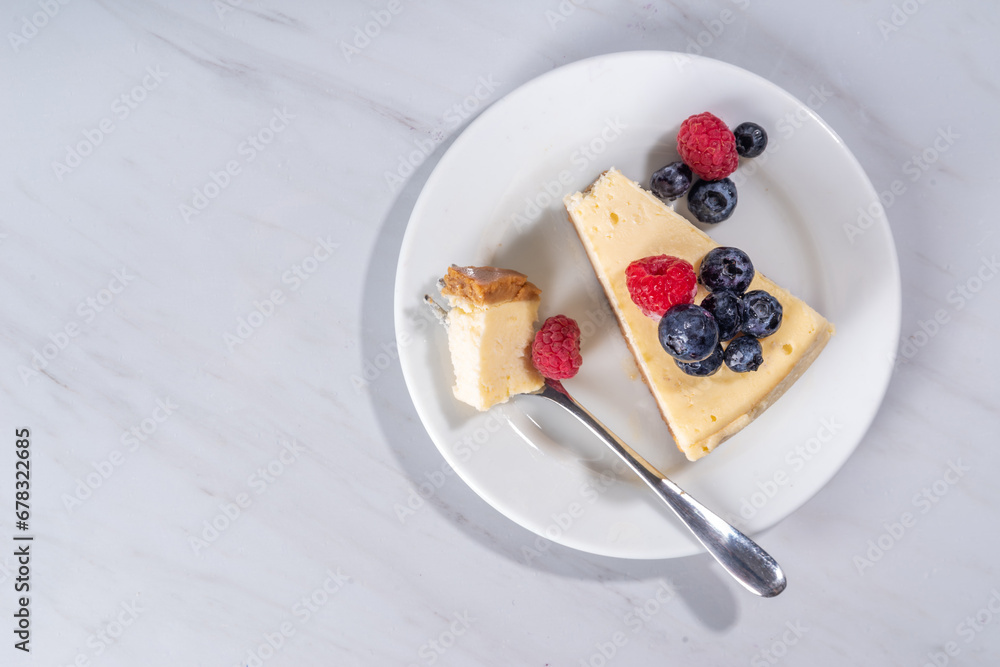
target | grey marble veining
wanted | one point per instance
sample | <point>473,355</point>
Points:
<point>198,241</point>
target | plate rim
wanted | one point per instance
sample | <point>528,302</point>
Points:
<point>881,228</point>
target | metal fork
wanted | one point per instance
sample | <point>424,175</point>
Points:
<point>740,556</point>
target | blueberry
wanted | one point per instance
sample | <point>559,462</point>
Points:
<point>705,367</point>
<point>743,354</point>
<point>712,201</point>
<point>671,181</point>
<point>726,268</point>
<point>751,139</point>
<point>727,308</point>
<point>688,332</point>
<point>762,313</point>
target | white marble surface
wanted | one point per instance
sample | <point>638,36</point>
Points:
<point>158,407</point>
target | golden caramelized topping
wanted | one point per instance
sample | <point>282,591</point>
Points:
<point>488,285</point>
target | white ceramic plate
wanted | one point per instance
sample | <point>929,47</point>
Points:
<point>496,198</point>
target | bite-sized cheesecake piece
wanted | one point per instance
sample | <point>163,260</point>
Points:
<point>491,325</point>
<point>619,222</point>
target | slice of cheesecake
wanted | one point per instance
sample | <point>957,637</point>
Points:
<point>619,222</point>
<point>491,325</point>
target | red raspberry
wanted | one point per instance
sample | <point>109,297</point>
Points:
<point>659,282</point>
<point>556,350</point>
<point>708,146</point>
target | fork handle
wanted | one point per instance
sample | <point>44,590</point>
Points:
<point>741,557</point>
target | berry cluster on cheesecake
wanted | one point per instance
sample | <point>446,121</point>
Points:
<point>706,402</point>
<point>711,151</point>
